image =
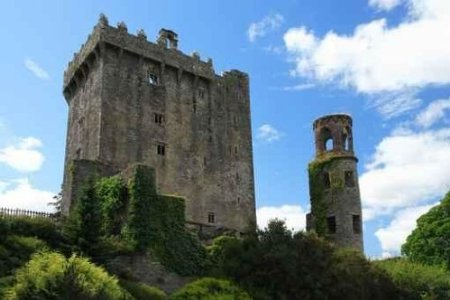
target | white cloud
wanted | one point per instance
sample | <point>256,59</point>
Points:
<point>433,113</point>
<point>268,133</point>
<point>385,4</point>
<point>395,234</point>
<point>36,69</point>
<point>407,168</point>
<point>299,87</point>
<point>20,194</point>
<point>24,156</point>
<point>293,215</point>
<point>377,58</point>
<point>261,28</point>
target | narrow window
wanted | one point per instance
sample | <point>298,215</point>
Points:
<point>158,118</point>
<point>161,149</point>
<point>153,79</point>
<point>235,149</point>
<point>194,105</point>
<point>329,144</point>
<point>356,224</point>
<point>331,224</point>
<point>326,180</point>
<point>211,218</point>
<point>238,201</point>
<point>238,178</point>
<point>349,179</point>
<point>78,155</point>
<point>201,93</point>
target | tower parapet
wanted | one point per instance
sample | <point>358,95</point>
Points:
<point>333,183</point>
<point>105,35</point>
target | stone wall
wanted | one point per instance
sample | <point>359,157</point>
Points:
<point>203,121</point>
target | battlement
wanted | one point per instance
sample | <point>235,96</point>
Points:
<point>164,51</point>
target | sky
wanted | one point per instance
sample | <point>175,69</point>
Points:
<point>385,62</point>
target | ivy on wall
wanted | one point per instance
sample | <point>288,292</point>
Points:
<point>316,169</point>
<point>128,208</point>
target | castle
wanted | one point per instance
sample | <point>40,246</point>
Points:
<point>333,184</point>
<point>134,101</point>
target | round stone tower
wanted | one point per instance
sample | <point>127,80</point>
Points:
<point>333,184</point>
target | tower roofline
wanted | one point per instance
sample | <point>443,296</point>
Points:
<point>118,37</point>
<point>333,117</point>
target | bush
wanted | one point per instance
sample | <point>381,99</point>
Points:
<point>16,251</point>
<point>276,264</point>
<point>210,288</point>
<point>142,291</point>
<point>422,281</point>
<point>49,275</point>
<point>356,277</point>
<point>42,228</point>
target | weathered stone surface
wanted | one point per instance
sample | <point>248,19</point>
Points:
<point>340,195</point>
<point>129,98</point>
<point>145,269</point>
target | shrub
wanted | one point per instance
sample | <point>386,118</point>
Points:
<point>422,281</point>
<point>210,288</point>
<point>42,228</point>
<point>142,291</point>
<point>16,251</point>
<point>49,275</point>
<point>276,264</point>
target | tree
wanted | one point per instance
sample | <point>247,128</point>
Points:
<point>429,243</point>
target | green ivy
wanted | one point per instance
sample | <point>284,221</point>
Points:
<point>316,189</point>
<point>113,195</point>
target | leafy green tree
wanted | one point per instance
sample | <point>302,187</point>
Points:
<point>49,275</point>
<point>429,243</point>
<point>83,227</point>
<point>419,280</point>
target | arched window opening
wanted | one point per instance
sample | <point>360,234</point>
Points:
<point>346,137</point>
<point>329,144</point>
<point>327,139</point>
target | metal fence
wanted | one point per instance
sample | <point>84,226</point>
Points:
<point>14,212</point>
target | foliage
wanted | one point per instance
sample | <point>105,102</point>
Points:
<point>209,289</point>
<point>42,228</point>
<point>112,193</point>
<point>422,281</point>
<point>429,243</point>
<point>15,251</point>
<point>176,248</point>
<point>83,227</point>
<point>354,276</point>
<point>142,291</point>
<point>142,193</point>
<point>275,264</point>
<point>49,275</point>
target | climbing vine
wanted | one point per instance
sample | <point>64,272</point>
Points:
<point>316,170</point>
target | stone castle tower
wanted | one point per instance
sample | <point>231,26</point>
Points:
<point>333,183</point>
<point>134,101</point>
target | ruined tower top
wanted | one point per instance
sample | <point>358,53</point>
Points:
<point>168,38</point>
<point>333,133</point>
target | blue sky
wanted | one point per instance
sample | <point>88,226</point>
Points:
<point>386,62</point>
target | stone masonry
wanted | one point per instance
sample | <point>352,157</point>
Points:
<point>337,181</point>
<point>134,101</point>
